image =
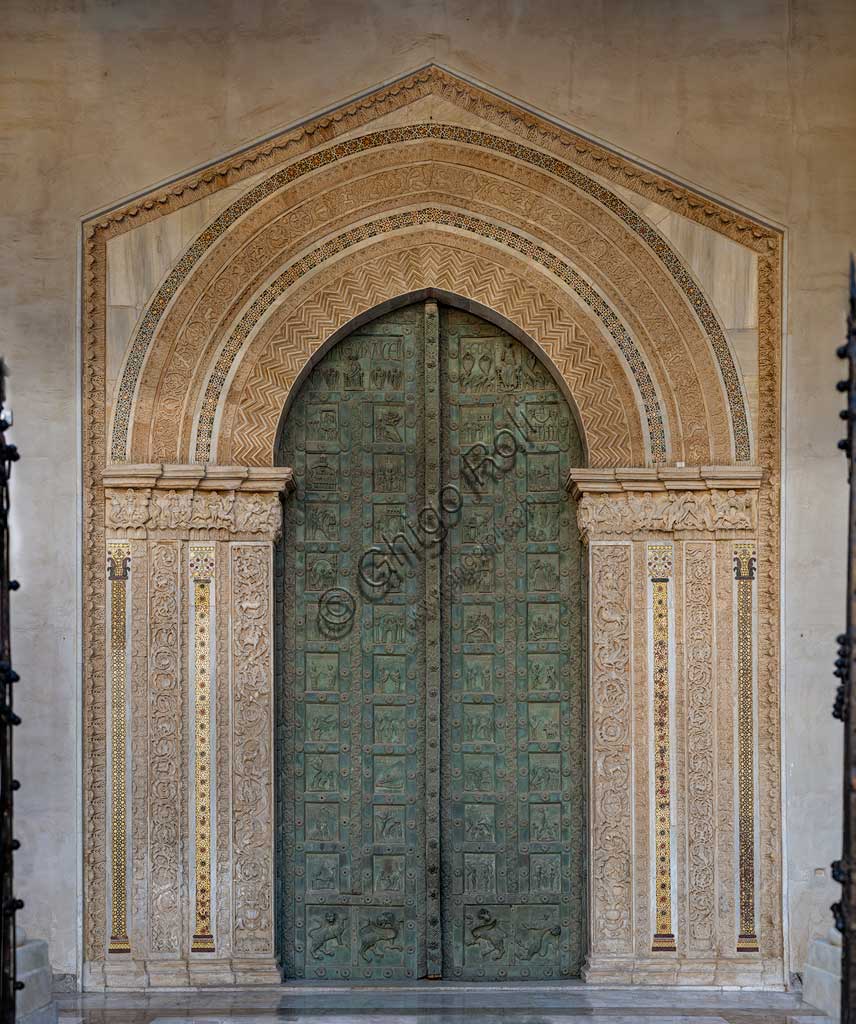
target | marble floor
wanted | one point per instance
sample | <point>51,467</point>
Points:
<point>440,1003</point>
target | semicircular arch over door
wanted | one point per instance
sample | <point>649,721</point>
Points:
<point>430,727</point>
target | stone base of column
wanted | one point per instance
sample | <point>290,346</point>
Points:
<point>211,973</point>
<point>122,972</point>
<point>216,972</point>
<point>256,971</point>
<point>740,971</point>
<point>167,974</point>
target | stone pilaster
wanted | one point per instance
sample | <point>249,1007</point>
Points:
<point>660,847</point>
<point>196,815</point>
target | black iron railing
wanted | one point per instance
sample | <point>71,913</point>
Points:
<point>844,870</point>
<point>8,720</point>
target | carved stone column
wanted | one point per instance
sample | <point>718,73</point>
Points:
<point>190,808</point>
<point>673,755</point>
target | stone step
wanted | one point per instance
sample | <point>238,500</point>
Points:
<point>824,955</point>
<point>34,1003</point>
<point>31,955</point>
<point>822,988</point>
<point>49,1015</point>
<point>38,986</point>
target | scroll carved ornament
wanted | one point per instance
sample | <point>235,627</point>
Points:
<point>611,749</point>
<point>167,791</point>
<point>251,749</point>
<point>700,647</point>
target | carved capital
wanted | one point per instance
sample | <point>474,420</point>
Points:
<point>712,500</point>
<point>226,500</point>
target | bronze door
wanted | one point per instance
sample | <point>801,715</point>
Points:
<point>430,729</point>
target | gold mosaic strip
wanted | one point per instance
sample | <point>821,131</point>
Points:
<point>118,572</point>
<point>745,565</point>
<point>202,575</point>
<point>660,563</point>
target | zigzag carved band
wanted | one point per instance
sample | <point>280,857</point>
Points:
<point>254,404</point>
<point>449,218</point>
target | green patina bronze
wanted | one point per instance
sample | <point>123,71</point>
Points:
<point>431,745</point>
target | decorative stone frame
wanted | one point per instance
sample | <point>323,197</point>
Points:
<point>154,512</point>
<point>703,516</point>
<point>163,516</point>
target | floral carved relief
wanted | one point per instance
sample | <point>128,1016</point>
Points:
<point>166,761</point>
<point>611,749</point>
<point>252,755</point>
<point>167,524</point>
<point>139,746</point>
<point>699,740</point>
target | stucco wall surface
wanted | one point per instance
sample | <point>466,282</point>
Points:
<point>753,101</point>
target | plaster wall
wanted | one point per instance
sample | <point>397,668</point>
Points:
<point>751,100</point>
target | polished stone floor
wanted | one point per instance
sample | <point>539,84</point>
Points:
<point>441,1003</point>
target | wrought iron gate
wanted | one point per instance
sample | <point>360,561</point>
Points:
<point>431,724</point>
<point>844,870</point>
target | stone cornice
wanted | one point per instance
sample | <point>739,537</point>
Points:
<point>202,477</point>
<point>220,502</point>
<point>707,500</point>
<point>664,478</point>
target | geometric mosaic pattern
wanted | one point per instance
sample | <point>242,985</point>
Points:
<point>660,564</point>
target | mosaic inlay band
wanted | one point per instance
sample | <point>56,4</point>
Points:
<point>433,215</point>
<point>202,575</point>
<point>745,565</point>
<point>118,572</point>
<point>392,136</point>
<point>660,561</point>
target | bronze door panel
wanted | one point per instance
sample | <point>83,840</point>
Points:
<point>430,733</point>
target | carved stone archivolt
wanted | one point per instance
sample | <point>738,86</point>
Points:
<point>515,214</point>
<point>279,351</point>
<point>175,378</point>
